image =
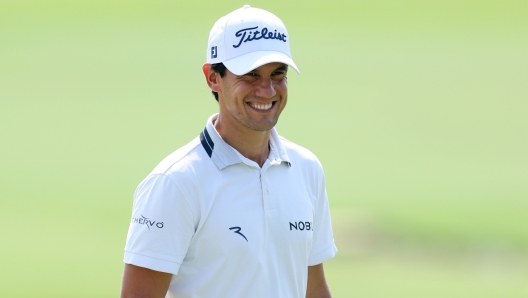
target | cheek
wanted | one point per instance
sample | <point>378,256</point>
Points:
<point>283,90</point>
<point>283,102</point>
<point>283,86</point>
<point>241,91</point>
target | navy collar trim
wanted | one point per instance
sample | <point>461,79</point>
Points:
<point>207,143</point>
<point>223,155</point>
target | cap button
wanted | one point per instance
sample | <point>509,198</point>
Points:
<point>246,6</point>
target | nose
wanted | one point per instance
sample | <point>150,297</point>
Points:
<point>266,88</point>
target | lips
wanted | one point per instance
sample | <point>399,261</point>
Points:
<point>260,106</point>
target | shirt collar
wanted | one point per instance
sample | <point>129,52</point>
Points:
<point>223,155</point>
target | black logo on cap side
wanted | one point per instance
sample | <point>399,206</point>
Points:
<point>214,52</point>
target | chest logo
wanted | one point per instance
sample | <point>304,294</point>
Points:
<point>237,231</point>
<point>301,226</point>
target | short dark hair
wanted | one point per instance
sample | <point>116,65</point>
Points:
<point>220,69</point>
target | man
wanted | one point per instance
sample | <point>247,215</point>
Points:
<point>239,211</point>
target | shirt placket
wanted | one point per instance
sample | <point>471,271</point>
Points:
<point>269,203</point>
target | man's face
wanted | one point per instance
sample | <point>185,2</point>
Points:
<point>256,99</point>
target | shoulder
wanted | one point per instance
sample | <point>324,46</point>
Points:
<point>306,167</point>
<point>181,173</point>
<point>185,160</point>
<point>299,154</point>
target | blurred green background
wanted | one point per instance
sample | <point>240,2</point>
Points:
<point>417,110</point>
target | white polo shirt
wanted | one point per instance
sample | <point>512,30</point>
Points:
<point>226,227</point>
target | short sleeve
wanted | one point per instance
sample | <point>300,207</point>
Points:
<point>323,247</point>
<point>161,226</point>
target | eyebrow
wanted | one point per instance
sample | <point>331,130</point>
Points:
<point>283,67</point>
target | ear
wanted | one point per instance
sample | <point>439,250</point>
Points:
<point>212,78</point>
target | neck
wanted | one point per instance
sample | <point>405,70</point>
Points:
<point>252,144</point>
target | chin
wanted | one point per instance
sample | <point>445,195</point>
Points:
<point>261,126</point>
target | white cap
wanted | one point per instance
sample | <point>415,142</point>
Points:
<point>248,38</point>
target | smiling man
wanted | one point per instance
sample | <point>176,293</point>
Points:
<point>239,211</point>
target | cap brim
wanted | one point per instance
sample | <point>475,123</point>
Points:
<point>243,64</point>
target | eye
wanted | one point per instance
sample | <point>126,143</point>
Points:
<point>279,74</point>
<point>251,76</point>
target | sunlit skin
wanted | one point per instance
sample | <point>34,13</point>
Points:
<point>250,105</point>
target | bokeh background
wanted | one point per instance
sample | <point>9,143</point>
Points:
<point>417,110</point>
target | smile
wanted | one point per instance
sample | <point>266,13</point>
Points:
<point>259,106</point>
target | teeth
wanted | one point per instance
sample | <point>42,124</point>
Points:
<point>261,106</point>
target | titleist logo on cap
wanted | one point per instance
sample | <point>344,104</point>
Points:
<point>256,35</point>
<point>248,38</point>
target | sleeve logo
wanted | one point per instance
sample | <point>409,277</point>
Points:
<point>147,222</point>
